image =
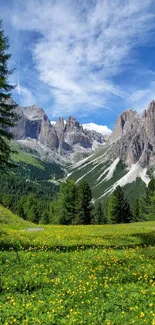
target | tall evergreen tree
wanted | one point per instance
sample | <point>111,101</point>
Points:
<point>136,211</point>
<point>83,205</point>
<point>148,202</point>
<point>8,116</point>
<point>99,217</point>
<point>118,208</point>
<point>65,204</point>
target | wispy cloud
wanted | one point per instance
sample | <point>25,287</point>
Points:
<point>141,98</point>
<point>27,96</point>
<point>81,46</point>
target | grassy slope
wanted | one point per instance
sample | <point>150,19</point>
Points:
<point>30,166</point>
<point>9,218</point>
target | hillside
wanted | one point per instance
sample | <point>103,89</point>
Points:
<point>9,218</point>
<point>31,165</point>
<point>104,175</point>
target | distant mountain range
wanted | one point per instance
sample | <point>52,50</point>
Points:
<point>126,157</point>
<point>64,138</point>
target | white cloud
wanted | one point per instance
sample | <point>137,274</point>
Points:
<point>103,129</point>
<point>83,45</point>
<point>96,127</point>
<point>26,96</point>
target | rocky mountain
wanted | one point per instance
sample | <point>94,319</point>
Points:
<point>66,138</point>
<point>133,138</point>
<point>127,159</point>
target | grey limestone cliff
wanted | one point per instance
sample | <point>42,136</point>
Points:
<point>63,136</point>
<point>133,138</point>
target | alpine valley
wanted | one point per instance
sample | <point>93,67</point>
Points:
<point>55,152</point>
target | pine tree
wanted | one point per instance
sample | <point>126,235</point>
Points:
<point>118,208</point>
<point>151,186</point>
<point>65,204</point>
<point>83,204</point>
<point>8,116</point>
<point>99,217</point>
<point>136,210</point>
<point>148,202</point>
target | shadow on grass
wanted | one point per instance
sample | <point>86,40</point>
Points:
<point>125,242</point>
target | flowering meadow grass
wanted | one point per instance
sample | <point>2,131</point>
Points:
<point>90,275</point>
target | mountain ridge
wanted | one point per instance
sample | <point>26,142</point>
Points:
<point>65,139</point>
<point>126,157</point>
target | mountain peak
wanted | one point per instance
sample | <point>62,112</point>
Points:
<point>151,108</point>
<point>33,112</point>
<point>60,122</point>
<point>72,124</point>
<point>124,124</point>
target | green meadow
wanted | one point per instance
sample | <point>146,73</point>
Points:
<point>90,275</point>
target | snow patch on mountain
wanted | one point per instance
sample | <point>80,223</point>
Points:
<point>111,168</point>
<point>135,171</point>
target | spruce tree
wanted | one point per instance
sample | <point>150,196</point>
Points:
<point>148,202</point>
<point>99,217</point>
<point>83,204</point>
<point>65,204</point>
<point>118,207</point>
<point>136,210</point>
<point>8,116</point>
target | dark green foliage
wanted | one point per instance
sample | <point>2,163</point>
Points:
<point>118,208</point>
<point>151,186</point>
<point>73,204</point>
<point>8,116</point>
<point>136,212</point>
<point>36,173</point>
<point>98,214</point>
<point>28,199</point>
<point>83,204</point>
<point>65,204</point>
<point>147,202</point>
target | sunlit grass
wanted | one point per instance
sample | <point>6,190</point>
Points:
<point>86,275</point>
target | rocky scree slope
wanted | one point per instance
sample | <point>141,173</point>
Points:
<point>127,157</point>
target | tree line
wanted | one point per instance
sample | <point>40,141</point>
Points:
<point>71,203</point>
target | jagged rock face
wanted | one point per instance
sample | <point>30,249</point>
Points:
<point>148,120</point>
<point>34,124</point>
<point>73,133</point>
<point>124,124</point>
<point>133,138</point>
<point>48,135</point>
<point>94,136</point>
<point>73,125</point>
<point>59,129</point>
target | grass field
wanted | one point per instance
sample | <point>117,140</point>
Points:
<point>90,275</point>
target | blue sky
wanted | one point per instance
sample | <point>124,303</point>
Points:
<point>91,59</point>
